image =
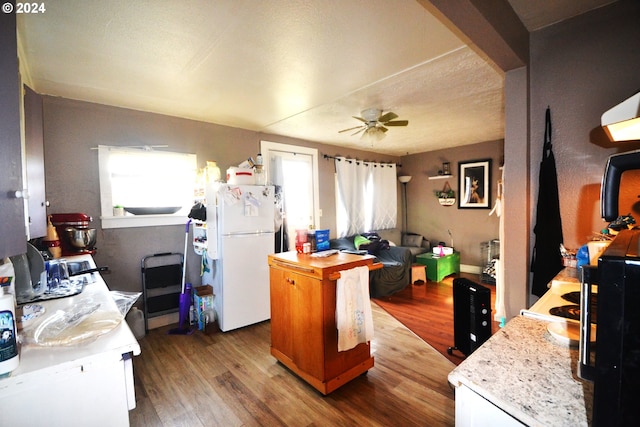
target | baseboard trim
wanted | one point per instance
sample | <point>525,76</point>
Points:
<point>164,320</point>
<point>471,269</point>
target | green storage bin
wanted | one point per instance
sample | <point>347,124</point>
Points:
<point>439,267</point>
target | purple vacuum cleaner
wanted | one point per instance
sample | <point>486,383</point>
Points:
<point>185,295</point>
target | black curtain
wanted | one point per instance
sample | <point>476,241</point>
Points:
<point>546,261</point>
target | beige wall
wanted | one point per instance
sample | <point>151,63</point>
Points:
<point>469,227</point>
<point>516,205</point>
<point>73,128</point>
<point>581,68</point>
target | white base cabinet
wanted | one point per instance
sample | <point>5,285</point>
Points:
<point>473,410</point>
<point>87,384</point>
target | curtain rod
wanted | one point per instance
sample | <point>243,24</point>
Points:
<point>398,165</point>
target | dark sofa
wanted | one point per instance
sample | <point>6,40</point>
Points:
<point>397,260</point>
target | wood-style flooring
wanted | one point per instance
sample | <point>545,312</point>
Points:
<point>230,379</point>
<point>427,310</point>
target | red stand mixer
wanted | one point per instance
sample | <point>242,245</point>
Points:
<point>76,238</point>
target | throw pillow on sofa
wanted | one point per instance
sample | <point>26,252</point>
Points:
<point>414,240</point>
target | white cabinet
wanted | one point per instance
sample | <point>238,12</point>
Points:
<point>90,383</point>
<point>473,410</point>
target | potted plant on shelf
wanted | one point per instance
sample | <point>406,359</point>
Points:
<point>446,196</point>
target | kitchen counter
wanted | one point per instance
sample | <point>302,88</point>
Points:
<point>526,373</point>
<point>87,383</point>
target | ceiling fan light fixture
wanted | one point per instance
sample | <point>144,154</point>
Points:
<point>373,134</point>
<point>371,114</point>
<point>374,124</point>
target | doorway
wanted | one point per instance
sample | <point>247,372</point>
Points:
<point>293,170</point>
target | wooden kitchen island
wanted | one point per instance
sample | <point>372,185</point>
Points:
<point>304,336</point>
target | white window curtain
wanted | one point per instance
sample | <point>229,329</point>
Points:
<point>384,196</point>
<point>364,192</point>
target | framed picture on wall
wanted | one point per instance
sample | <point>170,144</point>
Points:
<point>475,184</point>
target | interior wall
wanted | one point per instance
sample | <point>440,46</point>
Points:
<point>581,68</point>
<point>73,128</point>
<point>469,227</point>
<point>515,251</point>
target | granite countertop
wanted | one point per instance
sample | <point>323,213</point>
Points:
<point>523,370</point>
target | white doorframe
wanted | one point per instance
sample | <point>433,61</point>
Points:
<point>266,147</point>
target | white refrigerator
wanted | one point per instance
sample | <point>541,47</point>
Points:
<point>240,233</point>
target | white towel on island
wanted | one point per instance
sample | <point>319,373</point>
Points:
<point>353,308</point>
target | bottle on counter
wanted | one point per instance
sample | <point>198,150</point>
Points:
<point>9,358</point>
<point>52,240</point>
<point>301,239</point>
<point>311,238</point>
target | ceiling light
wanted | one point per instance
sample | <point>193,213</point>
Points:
<point>371,114</point>
<point>622,122</point>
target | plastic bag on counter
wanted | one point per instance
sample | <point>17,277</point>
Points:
<point>88,318</point>
<point>125,300</point>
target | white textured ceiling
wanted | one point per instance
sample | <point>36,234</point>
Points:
<point>294,68</point>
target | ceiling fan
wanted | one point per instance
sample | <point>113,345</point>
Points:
<point>375,123</point>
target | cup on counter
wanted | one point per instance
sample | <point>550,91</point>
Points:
<point>301,239</point>
<point>57,272</point>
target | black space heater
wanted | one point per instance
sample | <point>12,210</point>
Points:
<point>471,315</point>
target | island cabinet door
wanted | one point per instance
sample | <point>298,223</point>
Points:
<point>308,325</point>
<point>296,320</point>
<point>281,321</point>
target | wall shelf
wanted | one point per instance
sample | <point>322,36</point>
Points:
<point>440,176</point>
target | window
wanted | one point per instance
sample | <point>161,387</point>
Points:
<point>157,185</point>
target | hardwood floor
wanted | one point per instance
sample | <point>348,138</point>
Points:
<point>230,379</point>
<point>428,311</point>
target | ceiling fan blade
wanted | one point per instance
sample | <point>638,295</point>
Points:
<point>362,128</point>
<point>360,118</point>
<point>348,129</point>
<point>397,123</point>
<point>381,128</point>
<point>387,117</point>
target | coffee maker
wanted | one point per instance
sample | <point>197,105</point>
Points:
<point>76,238</point>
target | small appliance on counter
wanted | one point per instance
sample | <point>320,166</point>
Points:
<point>76,238</point>
<point>616,371</point>
<point>37,279</point>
